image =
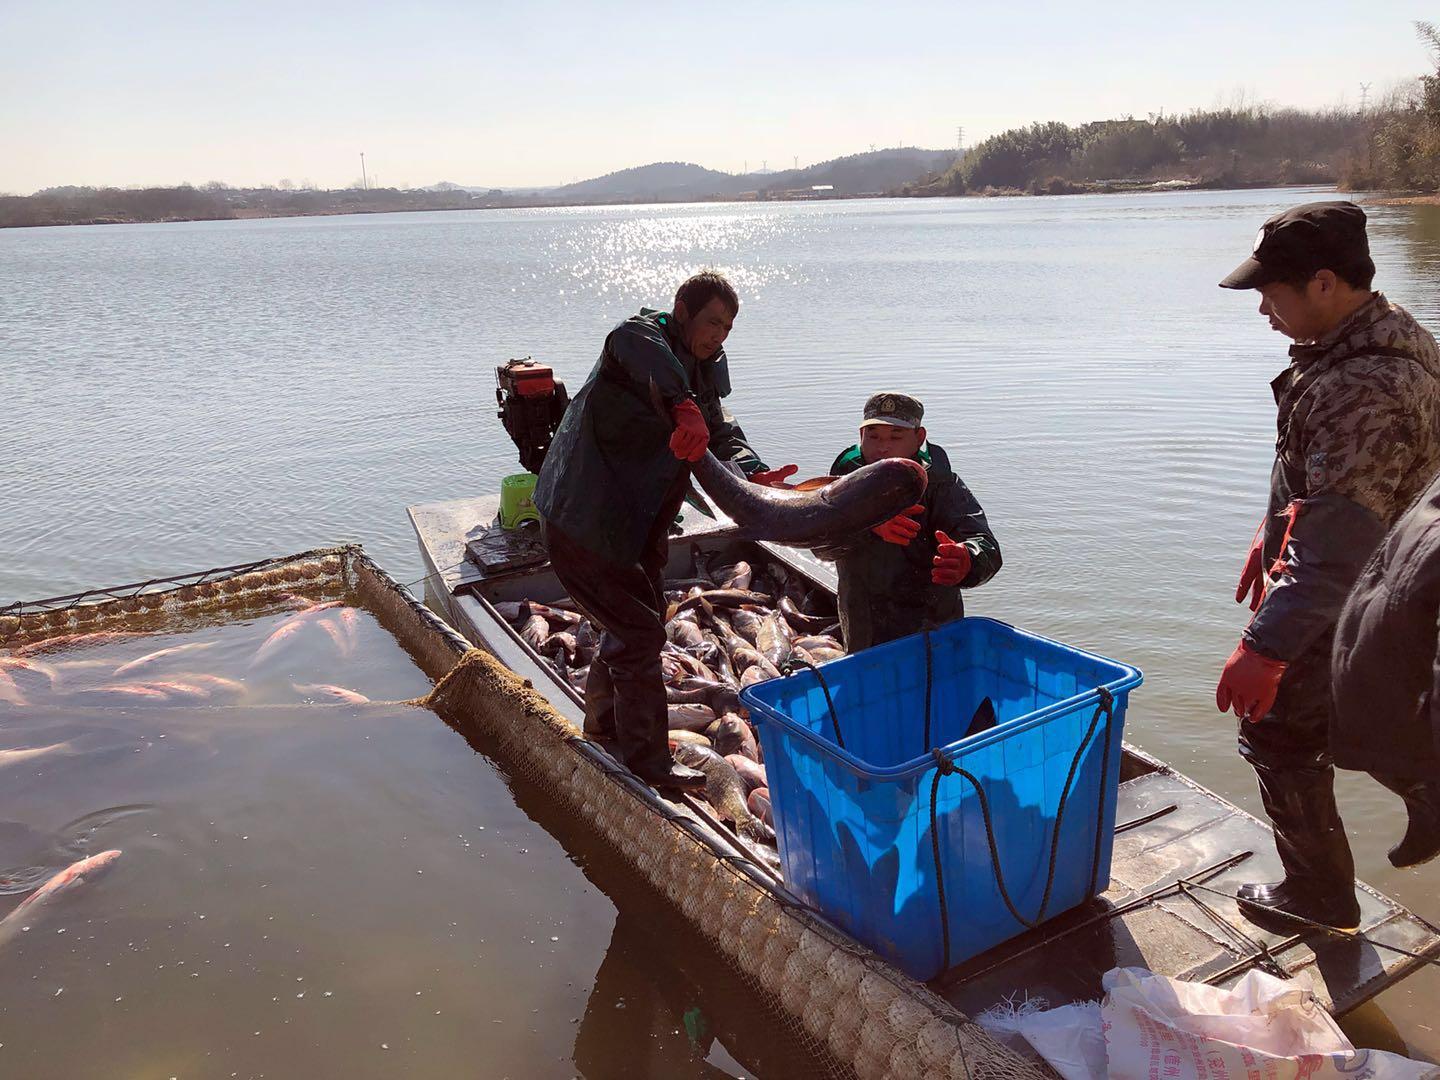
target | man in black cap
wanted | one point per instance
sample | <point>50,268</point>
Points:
<point>906,575</point>
<point>1359,438</point>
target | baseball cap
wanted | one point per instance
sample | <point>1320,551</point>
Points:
<point>1304,240</point>
<point>893,408</point>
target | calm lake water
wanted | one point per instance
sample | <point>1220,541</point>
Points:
<point>190,395</point>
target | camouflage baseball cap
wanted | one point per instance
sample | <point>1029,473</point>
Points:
<point>893,408</point>
<point>1304,240</point>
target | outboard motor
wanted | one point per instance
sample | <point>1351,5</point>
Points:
<point>532,401</point>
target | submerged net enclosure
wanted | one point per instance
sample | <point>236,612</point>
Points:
<point>855,1014</point>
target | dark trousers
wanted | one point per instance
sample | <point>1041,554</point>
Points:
<point>1290,752</point>
<point>625,692</point>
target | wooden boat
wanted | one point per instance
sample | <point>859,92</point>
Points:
<point>1180,849</point>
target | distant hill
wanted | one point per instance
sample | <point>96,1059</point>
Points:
<point>674,181</point>
<point>663,181</point>
<point>862,174</point>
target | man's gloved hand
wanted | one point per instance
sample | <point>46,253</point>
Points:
<point>1249,683</point>
<point>1252,577</point>
<point>952,561</point>
<point>690,437</point>
<point>902,528</point>
<point>774,477</point>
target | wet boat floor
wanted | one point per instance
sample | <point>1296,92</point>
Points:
<point>1172,838</point>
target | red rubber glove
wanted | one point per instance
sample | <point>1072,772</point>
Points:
<point>1252,577</point>
<point>690,437</point>
<point>1249,683</point>
<point>774,477</point>
<point>952,561</point>
<point>902,528</point>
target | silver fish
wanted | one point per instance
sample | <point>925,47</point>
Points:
<point>690,717</point>
<point>163,654</point>
<point>752,772</point>
<point>71,877</point>
<point>725,791</point>
<point>735,737</point>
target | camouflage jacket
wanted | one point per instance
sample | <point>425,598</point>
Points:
<point>1359,439</point>
<point>885,589</point>
<point>609,475</point>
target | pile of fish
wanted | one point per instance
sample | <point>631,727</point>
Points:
<point>42,673</point>
<point>731,628</point>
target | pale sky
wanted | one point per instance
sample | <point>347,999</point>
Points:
<point>545,93</point>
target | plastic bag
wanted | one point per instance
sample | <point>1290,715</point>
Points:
<point>1071,1039</point>
<point>1158,1028</point>
<point>1150,1027</point>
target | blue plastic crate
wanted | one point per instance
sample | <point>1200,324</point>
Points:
<point>854,823</point>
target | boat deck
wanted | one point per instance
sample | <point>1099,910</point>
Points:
<point>1179,848</point>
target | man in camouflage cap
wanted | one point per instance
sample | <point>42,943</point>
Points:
<point>906,574</point>
<point>1359,439</point>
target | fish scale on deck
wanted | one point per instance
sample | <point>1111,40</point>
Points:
<point>727,630</point>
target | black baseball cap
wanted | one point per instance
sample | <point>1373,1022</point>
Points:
<point>1304,240</point>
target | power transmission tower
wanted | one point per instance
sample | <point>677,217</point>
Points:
<point>364,180</point>
<point>1364,95</point>
<point>959,138</point>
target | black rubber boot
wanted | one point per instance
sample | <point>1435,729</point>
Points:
<point>679,778</point>
<point>1319,879</point>
<point>1421,842</point>
<point>1260,903</point>
<point>600,704</point>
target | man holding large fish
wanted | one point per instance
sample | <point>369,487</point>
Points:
<point>907,575</point>
<point>612,483</point>
<point>614,478</point>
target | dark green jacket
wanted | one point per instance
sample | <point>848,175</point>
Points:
<point>885,589</point>
<point>609,474</point>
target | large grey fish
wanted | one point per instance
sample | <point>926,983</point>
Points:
<point>685,633</point>
<point>758,803</point>
<point>690,717</point>
<point>721,697</point>
<point>799,621</point>
<point>756,673</point>
<point>748,659</point>
<point>858,501</point>
<point>586,636</point>
<point>735,737</point>
<point>739,576</point>
<point>534,630</point>
<point>719,658</point>
<point>818,641</point>
<point>723,598</point>
<point>773,639</point>
<point>752,772</point>
<point>566,620</point>
<point>725,791</point>
<point>676,736</point>
<point>746,623</point>
<point>564,641</point>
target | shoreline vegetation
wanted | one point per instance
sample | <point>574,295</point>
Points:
<point>1392,148</point>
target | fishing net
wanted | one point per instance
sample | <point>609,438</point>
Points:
<point>853,1013</point>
